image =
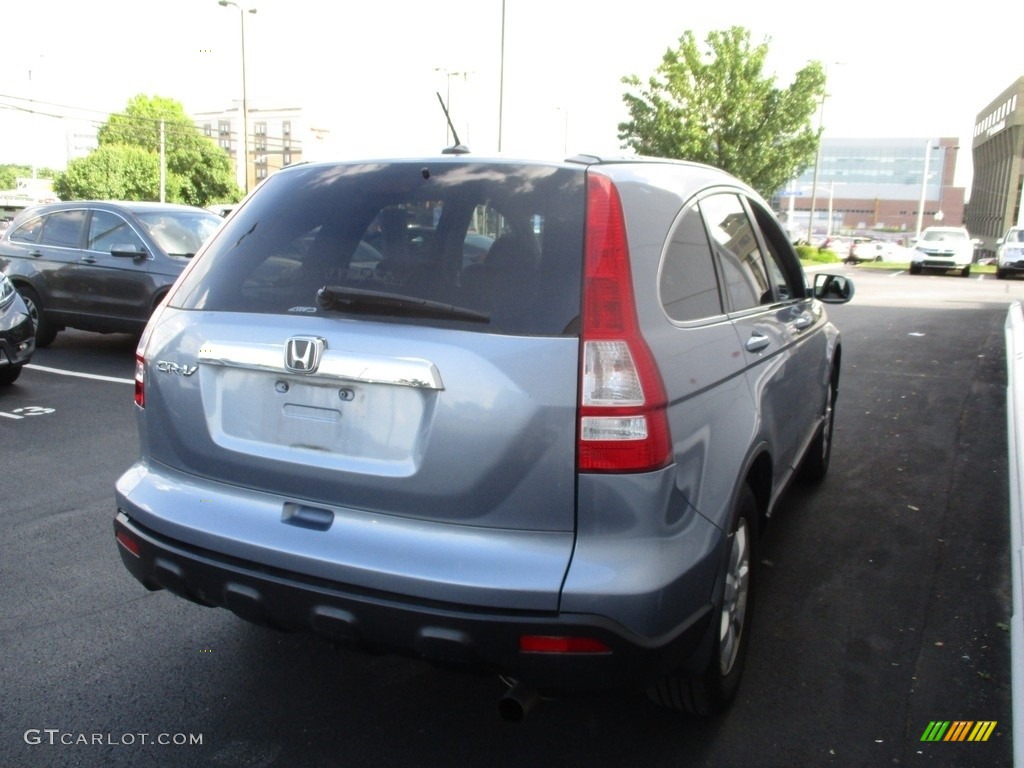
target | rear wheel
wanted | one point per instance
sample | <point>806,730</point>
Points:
<point>46,332</point>
<point>714,688</point>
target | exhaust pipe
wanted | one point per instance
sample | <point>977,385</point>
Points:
<point>517,702</point>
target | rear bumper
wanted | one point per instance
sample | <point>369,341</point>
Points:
<point>441,633</point>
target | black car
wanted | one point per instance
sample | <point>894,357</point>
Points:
<point>17,341</point>
<point>99,266</point>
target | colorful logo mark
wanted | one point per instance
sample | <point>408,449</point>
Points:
<point>958,730</point>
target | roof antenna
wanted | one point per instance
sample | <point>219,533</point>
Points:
<point>458,148</point>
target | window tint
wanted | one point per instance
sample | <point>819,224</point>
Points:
<point>503,240</point>
<point>688,287</point>
<point>63,228</point>
<point>739,256</point>
<point>29,231</point>
<point>107,230</point>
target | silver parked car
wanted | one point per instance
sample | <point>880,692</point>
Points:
<point>1010,253</point>
<point>552,464</point>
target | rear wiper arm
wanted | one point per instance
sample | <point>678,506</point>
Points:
<point>339,298</point>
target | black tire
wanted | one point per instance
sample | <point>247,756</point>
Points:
<point>915,269</point>
<point>10,375</point>
<point>1000,274</point>
<point>46,332</point>
<point>714,688</point>
<point>819,452</point>
<point>966,271</point>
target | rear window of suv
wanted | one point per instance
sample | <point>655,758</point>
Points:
<point>499,244</point>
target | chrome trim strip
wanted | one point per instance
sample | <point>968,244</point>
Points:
<point>335,364</point>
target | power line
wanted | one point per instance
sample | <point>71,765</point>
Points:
<point>172,126</point>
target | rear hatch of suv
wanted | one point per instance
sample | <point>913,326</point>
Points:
<point>371,376</point>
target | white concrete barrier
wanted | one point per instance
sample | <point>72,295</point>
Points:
<point>1015,445</point>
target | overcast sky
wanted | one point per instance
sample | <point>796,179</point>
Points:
<point>369,71</point>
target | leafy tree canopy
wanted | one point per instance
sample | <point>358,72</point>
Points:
<point>10,173</point>
<point>111,172</point>
<point>198,171</point>
<point>717,107</point>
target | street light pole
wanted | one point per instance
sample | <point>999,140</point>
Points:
<point>924,186</point>
<point>245,93</point>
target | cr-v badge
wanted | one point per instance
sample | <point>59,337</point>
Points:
<point>302,353</point>
<point>182,370</point>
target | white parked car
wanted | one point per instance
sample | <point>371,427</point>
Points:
<point>869,250</point>
<point>1010,253</point>
<point>943,248</point>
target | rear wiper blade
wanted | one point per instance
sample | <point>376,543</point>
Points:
<point>339,298</point>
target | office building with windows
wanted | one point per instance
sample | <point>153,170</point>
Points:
<point>997,150</point>
<point>876,187</point>
<point>277,138</point>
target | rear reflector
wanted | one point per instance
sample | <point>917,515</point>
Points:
<point>129,543</point>
<point>556,644</point>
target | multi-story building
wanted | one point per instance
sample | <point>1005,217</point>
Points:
<point>277,138</point>
<point>871,186</point>
<point>998,153</point>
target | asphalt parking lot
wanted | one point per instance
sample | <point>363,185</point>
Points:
<point>882,603</point>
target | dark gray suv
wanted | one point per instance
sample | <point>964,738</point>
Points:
<point>552,463</point>
<point>98,265</point>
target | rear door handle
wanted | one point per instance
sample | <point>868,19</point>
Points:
<point>757,342</point>
<point>89,259</point>
<point>803,321</point>
<point>35,254</point>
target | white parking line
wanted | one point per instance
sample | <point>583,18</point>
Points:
<point>95,376</point>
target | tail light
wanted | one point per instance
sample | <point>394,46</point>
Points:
<point>623,424</point>
<point>140,380</point>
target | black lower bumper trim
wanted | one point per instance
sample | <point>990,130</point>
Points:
<point>440,633</point>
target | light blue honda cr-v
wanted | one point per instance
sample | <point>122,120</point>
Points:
<point>551,463</point>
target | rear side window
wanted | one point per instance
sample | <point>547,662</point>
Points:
<point>738,252</point>
<point>687,286</point>
<point>63,228</point>
<point>502,241</point>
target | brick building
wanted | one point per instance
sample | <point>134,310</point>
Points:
<point>875,186</point>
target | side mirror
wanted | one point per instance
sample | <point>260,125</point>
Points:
<point>128,251</point>
<point>832,289</point>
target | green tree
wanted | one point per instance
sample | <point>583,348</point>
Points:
<point>198,172</point>
<point>111,172</point>
<point>717,107</point>
<point>10,173</point>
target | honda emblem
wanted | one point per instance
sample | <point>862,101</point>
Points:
<point>302,353</point>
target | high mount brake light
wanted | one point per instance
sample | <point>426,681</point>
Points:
<point>623,424</point>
